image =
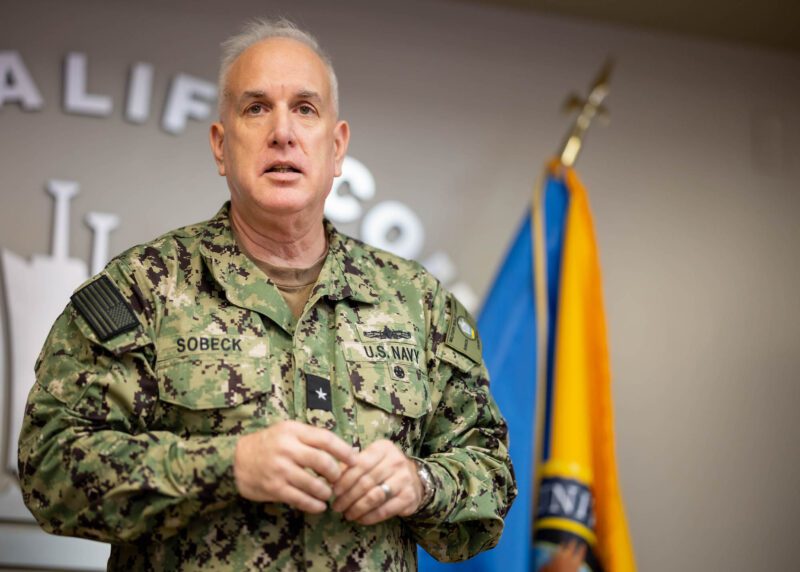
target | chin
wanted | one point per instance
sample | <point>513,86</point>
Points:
<point>284,204</point>
<point>276,200</point>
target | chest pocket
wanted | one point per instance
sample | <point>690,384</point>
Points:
<point>211,396</point>
<point>391,402</point>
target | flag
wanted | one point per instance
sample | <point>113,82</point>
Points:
<point>578,491</point>
<point>543,334</point>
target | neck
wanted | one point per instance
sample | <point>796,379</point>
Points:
<point>288,242</point>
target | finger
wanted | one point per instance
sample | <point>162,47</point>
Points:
<point>385,511</point>
<point>402,502</point>
<point>318,461</point>
<point>302,501</point>
<point>309,484</point>
<point>365,462</point>
<point>327,441</point>
<point>370,500</point>
<point>362,487</point>
<point>357,481</point>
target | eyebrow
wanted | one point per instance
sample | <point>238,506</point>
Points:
<point>308,94</point>
<point>255,94</point>
<point>260,94</point>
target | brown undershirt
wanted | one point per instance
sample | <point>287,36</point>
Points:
<point>294,284</point>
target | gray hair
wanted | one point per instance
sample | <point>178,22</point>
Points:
<point>258,30</point>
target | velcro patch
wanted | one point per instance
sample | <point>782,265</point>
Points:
<point>318,393</point>
<point>462,335</point>
<point>104,308</point>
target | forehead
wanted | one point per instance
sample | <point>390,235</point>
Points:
<point>278,62</point>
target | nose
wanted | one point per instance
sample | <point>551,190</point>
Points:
<point>282,133</point>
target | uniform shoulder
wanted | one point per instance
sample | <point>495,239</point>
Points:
<point>386,266</point>
<point>178,242</point>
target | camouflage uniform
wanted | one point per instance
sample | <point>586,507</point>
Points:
<point>130,439</point>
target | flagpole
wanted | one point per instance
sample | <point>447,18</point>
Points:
<point>540,301</point>
<point>589,108</point>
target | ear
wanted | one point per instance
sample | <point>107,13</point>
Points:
<point>341,139</point>
<point>216,137</point>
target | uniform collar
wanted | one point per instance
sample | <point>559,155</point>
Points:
<point>345,273</point>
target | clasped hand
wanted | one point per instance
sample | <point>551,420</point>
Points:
<point>368,487</point>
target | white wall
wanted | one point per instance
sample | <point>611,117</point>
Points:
<point>454,109</point>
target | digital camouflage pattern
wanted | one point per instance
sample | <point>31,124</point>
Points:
<point>131,440</point>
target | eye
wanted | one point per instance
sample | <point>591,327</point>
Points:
<point>306,109</point>
<point>254,109</point>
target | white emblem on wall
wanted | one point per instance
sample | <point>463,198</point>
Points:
<point>36,293</point>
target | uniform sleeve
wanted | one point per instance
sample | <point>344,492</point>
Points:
<point>465,445</point>
<point>88,464</point>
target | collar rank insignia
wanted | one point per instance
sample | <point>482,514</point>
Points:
<point>318,393</point>
<point>104,309</point>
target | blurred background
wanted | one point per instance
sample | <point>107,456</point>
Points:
<point>454,108</point>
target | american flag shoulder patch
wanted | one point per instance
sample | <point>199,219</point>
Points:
<point>104,309</point>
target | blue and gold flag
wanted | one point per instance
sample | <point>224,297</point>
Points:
<point>544,340</point>
<point>578,494</point>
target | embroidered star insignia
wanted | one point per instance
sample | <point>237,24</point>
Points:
<point>318,392</point>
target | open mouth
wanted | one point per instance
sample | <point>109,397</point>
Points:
<point>282,168</point>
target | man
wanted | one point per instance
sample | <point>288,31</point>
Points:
<point>259,391</point>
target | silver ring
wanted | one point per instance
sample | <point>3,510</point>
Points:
<point>387,491</point>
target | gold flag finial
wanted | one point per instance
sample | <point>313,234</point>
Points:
<point>588,109</point>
